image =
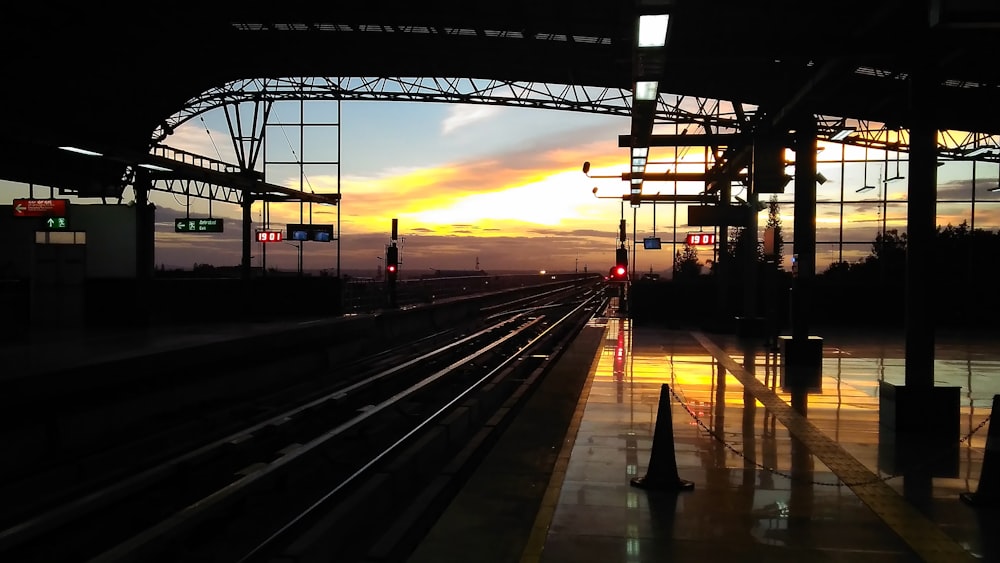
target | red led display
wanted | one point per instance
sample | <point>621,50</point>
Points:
<point>700,239</point>
<point>269,236</point>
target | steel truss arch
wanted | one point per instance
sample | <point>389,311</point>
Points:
<point>694,114</point>
<point>565,97</point>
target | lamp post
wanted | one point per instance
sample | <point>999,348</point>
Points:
<point>298,247</point>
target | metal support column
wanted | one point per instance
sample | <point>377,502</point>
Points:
<point>145,225</point>
<point>804,233</point>
<point>919,418</point>
<point>748,254</point>
<point>724,269</point>
<point>802,353</point>
<point>921,228</point>
<point>145,259</point>
<point>247,235</point>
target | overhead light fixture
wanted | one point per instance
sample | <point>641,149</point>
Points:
<point>653,30</point>
<point>155,167</point>
<point>842,134</point>
<point>78,150</point>
<point>893,179</point>
<point>995,188</point>
<point>864,189</point>
<point>638,168</point>
<point>820,178</point>
<point>978,151</point>
<point>640,151</point>
<point>646,90</point>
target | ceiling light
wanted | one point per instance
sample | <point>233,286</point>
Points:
<point>653,30</point>
<point>81,151</point>
<point>640,151</point>
<point>864,189</point>
<point>820,178</point>
<point>155,167</point>
<point>979,151</point>
<point>645,90</point>
<point>842,134</point>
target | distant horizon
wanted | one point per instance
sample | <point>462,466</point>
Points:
<point>362,272</point>
<point>502,188</point>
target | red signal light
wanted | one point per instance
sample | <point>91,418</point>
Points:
<point>391,268</point>
<point>619,271</point>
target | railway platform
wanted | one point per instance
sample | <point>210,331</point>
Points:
<point>773,475</point>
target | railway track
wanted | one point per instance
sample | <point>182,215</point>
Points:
<point>320,462</point>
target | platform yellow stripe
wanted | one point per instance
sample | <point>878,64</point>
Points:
<point>543,519</point>
<point>923,536</point>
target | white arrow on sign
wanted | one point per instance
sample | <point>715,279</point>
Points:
<point>19,208</point>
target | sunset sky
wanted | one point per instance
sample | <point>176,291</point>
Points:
<point>498,188</point>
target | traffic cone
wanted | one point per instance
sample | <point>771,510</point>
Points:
<point>662,471</point>
<point>988,491</point>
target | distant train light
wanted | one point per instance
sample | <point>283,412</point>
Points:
<point>700,239</point>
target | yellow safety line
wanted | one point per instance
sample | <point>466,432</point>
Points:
<point>550,500</point>
<point>922,535</point>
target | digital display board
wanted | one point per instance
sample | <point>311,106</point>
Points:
<point>270,236</point>
<point>314,232</point>
<point>700,239</point>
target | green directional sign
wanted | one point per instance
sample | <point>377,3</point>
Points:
<point>56,223</point>
<point>199,225</point>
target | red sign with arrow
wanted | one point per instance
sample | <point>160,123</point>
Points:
<point>40,207</point>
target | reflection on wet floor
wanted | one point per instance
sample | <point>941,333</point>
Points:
<point>779,473</point>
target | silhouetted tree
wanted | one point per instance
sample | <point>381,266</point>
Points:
<point>686,264</point>
<point>774,222</point>
<point>961,252</point>
<point>961,257</point>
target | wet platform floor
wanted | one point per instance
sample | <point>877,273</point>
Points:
<point>777,475</point>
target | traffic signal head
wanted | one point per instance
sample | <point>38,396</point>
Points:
<point>391,262</point>
<point>621,258</point>
<point>619,272</point>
